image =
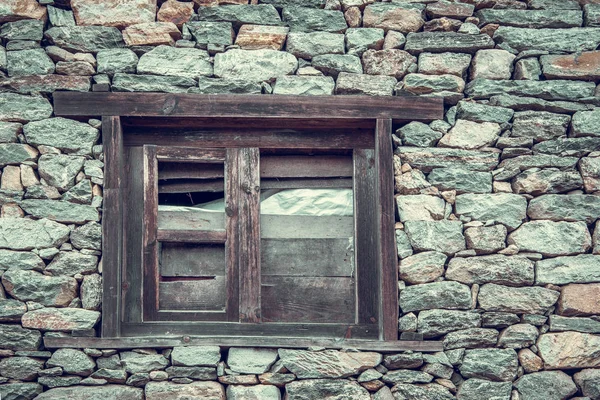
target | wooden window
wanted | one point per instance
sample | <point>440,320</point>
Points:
<point>187,251</point>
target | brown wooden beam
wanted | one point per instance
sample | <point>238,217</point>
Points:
<point>251,106</point>
<point>232,341</point>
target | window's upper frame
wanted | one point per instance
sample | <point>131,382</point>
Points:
<point>380,113</point>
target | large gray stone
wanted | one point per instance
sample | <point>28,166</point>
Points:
<point>60,211</point>
<point>14,337</point>
<point>584,268</point>
<point>437,42</point>
<point>251,360</point>
<point>139,363</point>
<point>195,390</point>
<point>238,15</point>
<point>553,40</point>
<point>304,85</point>
<point>167,60</point>
<point>49,291</point>
<point>85,38</point>
<point>70,263</point>
<point>25,29</point>
<point>90,292</point>
<point>196,356</point>
<point>497,268</point>
<point>397,17</point>
<point>256,392</point>
<point>545,90</point>
<point>471,338</point>
<point>305,19</point>
<point>512,166</point>
<point>540,125</point>
<point>113,13</point>
<point>519,103</point>
<point>551,180</point>
<point>359,84</point>
<point>65,134</point>
<point>418,134</point>
<point>492,64</point>
<point>326,389</point>
<point>27,234</point>
<point>420,207</point>
<point>111,61</point>
<point>113,392</point>
<point>558,207</point>
<point>433,323</point>
<point>422,267</point>
<point>328,363</point>
<point>443,236</point>
<point>471,135</point>
<point>334,64</point>
<point>254,65</point>
<point>476,389</point>
<point>546,385</point>
<point>72,361</point>
<point>60,319</point>
<point>20,391</point>
<point>444,63</point>
<point>406,376</point>
<point>461,180</point>
<point>586,123</point>
<point>88,236</point>
<point>20,260</point>
<point>224,86</point>
<point>431,391</point>
<point>359,40</point>
<point>391,62</point>
<point>29,62</point>
<point>505,208</point>
<point>21,368</point>
<point>59,170</point>
<point>486,239</point>
<point>11,310</point>
<point>307,45</point>
<point>590,172</point>
<point>588,381</point>
<point>584,66</point>
<point>518,336</point>
<point>577,147</point>
<point>211,33</point>
<point>552,238</point>
<point>529,300</point>
<point>15,153</point>
<point>151,83</point>
<point>444,295</point>
<point>531,18</point>
<point>426,159</point>
<point>578,324</point>
<point>492,364</point>
<point>483,113</point>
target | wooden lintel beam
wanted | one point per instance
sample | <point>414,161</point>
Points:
<point>233,341</point>
<point>411,108</point>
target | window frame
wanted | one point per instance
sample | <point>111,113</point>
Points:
<point>333,112</point>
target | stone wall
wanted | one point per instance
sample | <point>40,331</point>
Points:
<point>497,204</point>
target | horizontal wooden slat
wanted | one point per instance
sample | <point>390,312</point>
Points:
<point>186,170</point>
<point>179,154</point>
<point>192,259</point>
<point>192,220</point>
<point>304,226</point>
<point>306,183</point>
<point>305,166</point>
<point>204,294</point>
<point>250,106</point>
<point>307,257</point>
<point>304,299</point>
<point>232,341</point>
<point>188,236</point>
<point>191,185</point>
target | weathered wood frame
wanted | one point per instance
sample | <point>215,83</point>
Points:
<point>265,119</point>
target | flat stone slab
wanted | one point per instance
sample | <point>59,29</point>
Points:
<point>85,39</point>
<point>27,234</point>
<point>436,42</point>
<point>174,391</point>
<point>20,108</point>
<point>172,61</point>
<point>254,65</point>
<point>546,385</point>
<point>433,323</point>
<point>196,356</point>
<point>425,159</point>
<point>327,363</point>
<point>329,389</point>
<point>497,268</point>
<point>505,208</point>
<point>568,350</point>
<point>492,364</point>
<point>251,360</point>
<point>113,392</point>
<point>545,90</point>
<point>49,291</point>
<point>552,238</point>
<point>570,40</point>
<point>113,12</point>
<point>531,18</point>
<point>60,319</point>
<point>444,295</point>
<point>528,300</point>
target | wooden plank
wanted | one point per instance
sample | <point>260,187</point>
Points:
<point>308,299</point>
<point>197,260</point>
<point>232,244</point>
<point>306,226</point>
<point>250,106</point>
<point>331,139</point>
<point>233,341</point>
<point>190,220</point>
<point>112,225</point>
<point>307,257</point>
<point>191,236</point>
<point>306,183</point>
<point>185,154</point>
<point>388,320</point>
<point>201,294</point>
<point>132,240</point>
<point>305,166</point>
<point>191,185</point>
<point>249,235</point>
<point>149,233</point>
<point>186,170</point>
<point>365,206</point>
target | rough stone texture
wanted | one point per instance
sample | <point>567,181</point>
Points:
<point>492,364</point>
<point>85,38</point>
<point>251,361</point>
<point>262,14</point>
<point>584,268</point>
<point>552,40</point>
<point>531,300</point>
<point>436,42</point>
<point>60,319</point>
<point>585,65</point>
<point>256,37</point>
<point>545,90</point>
<point>26,234</point>
<point>433,157</point>
<point>396,17</point>
<point>304,85</point>
<point>567,350</point>
<point>116,392</point>
<point>446,295</point>
<point>304,19</point>
<point>50,291</point>
<point>72,361</point>
<point>150,83</point>
<point>552,238</point>
<point>173,391</point>
<point>471,135</point>
<point>482,113</point>
<point>151,34</point>
<point>196,356</point>
<point>422,267</point>
<point>113,12</point>
<point>444,63</point>
<point>166,60</point>
<point>579,300</point>
<point>135,363</point>
<point>254,65</point>
<point>461,180</point>
<point>420,208</point>
<point>589,382</point>
<point>540,126</point>
<point>504,208</point>
<point>308,45</point>
<point>499,269</point>
<point>551,180</point>
<point>492,64</point>
<point>329,389</point>
<point>433,323</point>
<point>392,62</point>
<point>546,385</point>
<point>486,239</point>
<point>585,123</point>
<point>443,236</point>
<point>327,364</point>
<point>475,389</point>
<point>556,207</point>
<point>258,392</point>
<point>418,134</point>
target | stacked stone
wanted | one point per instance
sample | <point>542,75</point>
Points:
<point>498,204</point>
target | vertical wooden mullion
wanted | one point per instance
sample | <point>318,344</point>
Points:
<point>149,232</point>
<point>232,210</point>
<point>386,248</point>
<point>249,235</point>
<point>365,236</point>
<point>112,226</point>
